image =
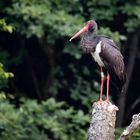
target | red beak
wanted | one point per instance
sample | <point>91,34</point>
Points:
<point>84,29</point>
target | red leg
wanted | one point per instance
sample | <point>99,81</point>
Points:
<point>107,91</point>
<point>102,83</point>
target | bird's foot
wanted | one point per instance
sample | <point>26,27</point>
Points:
<point>100,101</point>
<point>107,100</point>
<point>103,102</point>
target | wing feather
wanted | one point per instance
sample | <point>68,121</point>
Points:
<point>113,61</point>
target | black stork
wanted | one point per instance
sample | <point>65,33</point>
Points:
<point>106,53</point>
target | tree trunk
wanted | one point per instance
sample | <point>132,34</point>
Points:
<point>102,125</point>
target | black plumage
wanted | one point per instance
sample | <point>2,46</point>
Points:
<point>110,55</point>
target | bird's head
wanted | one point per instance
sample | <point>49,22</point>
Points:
<point>91,27</point>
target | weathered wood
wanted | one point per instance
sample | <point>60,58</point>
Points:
<point>102,125</point>
<point>131,128</point>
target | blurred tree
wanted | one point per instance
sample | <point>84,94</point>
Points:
<point>48,120</point>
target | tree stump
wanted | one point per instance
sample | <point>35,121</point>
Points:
<point>102,125</point>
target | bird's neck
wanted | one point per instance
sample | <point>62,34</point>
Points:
<point>88,43</point>
<point>88,36</point>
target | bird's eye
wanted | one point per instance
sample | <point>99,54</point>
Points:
<point>91,29</point>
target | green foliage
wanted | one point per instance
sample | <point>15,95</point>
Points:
<point>101,10</point>
<point>136,134</point>
<point>4,76</point>
<point>5,27</point>
<point>133,20</point>
<point>118,132</point>
<point>50,14</point>
<point>116,36</point>
<point>55,17</point>
<point>38,121</point>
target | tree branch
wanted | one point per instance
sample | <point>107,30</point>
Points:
<point>131,128</point>
<point>102,125</point>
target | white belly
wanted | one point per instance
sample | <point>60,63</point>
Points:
<point>96,55</point>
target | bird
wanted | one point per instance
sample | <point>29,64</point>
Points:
<point>107,55</point>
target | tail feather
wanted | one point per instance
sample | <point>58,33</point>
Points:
<point>118,83</point>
